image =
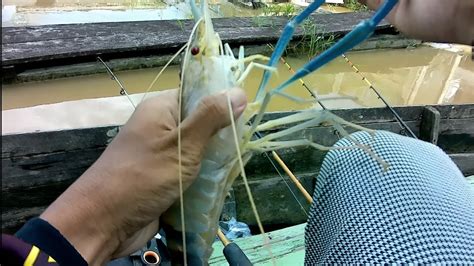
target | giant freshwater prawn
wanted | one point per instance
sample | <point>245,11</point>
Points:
<point>210,67</point>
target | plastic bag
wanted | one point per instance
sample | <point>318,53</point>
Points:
<point>234,229</point>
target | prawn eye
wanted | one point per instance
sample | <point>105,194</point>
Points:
<point>195,50</point>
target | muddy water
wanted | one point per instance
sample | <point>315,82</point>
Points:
<point>404,77</point>
<point>45,12</point>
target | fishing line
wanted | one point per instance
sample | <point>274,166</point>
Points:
<point>286,183</point>
<point>162,70</point>
<point>180,173</point>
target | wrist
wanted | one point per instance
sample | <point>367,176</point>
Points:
<point>79,220</point>
<point>41,234</point>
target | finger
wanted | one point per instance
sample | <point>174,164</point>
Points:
<point>211,115</point>
<point>164,106</point>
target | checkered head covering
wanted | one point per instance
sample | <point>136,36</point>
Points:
<point>419,211</point>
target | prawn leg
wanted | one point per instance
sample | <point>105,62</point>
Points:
<point>266,143</point>
<point>249,68</point>
<point>275,145</point>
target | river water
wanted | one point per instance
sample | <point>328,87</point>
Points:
<point>423,75</point>
<point>45,12</point>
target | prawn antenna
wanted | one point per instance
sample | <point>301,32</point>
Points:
<point>180,162</point>
<point>266,240</point>
<point>162,70</point>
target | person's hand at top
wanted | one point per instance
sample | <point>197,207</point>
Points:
<point>113,209</point>
<point>432,20</point>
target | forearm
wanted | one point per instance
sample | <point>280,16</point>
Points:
<point>433,20</point>
<point>77,217</point>
<point>438,20</point>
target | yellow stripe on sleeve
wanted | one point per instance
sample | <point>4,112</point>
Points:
<point>31,258</point>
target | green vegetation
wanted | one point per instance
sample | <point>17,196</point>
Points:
<point>286,10</point>
<point>180,24</point>
<point>355,5</point>
<point>312,42</point>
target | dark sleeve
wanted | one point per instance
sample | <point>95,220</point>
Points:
<point>16,252</point>
<point>40,240</point>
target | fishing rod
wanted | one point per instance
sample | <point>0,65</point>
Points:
<point>300,80</point>
<point>232,252</point>
<point>289,173</point>
<point>123,91</point>
<point>400,121</point>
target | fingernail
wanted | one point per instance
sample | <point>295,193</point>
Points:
<point>238,99</point>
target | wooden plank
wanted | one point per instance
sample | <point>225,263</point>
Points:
<point>13,219</point>
<point>464,161</point>
<point>276,205</point>
<point>37,167</point>
<point>456,111</point>
<point>429,128</point>
<point>27,45</point>
<point>283,242</point>
<point>381,41</point>
<point>294,258</point>
<point>456,135</point>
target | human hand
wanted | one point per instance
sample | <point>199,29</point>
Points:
<point>432,20</point>
<point>113,209</point>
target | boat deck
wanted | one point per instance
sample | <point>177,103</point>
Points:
<point>38,166</point>
<point>287,246</point>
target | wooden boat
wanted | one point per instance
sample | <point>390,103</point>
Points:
<point>42,155</point>
<point>54,51</point>
<point>39,163</point>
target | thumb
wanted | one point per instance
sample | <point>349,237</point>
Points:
<point>211,115</point>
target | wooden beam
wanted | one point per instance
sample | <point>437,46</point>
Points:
<point>464,161</point>
<point>40,46</point>
<point>429,128</point>
<point>37,167</point>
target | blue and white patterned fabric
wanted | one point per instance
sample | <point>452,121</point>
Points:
<point>419,211</point>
